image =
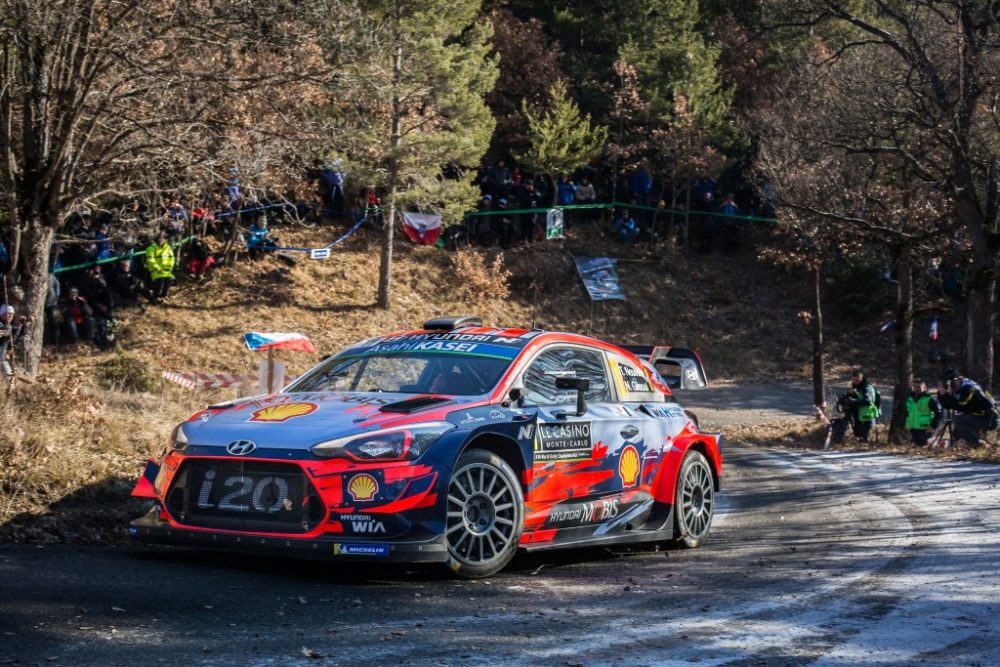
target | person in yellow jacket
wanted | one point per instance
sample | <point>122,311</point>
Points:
<point>160,264</point>
<point>923,413</point>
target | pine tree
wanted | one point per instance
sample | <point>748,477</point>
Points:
<point>673,59</point>
<point>421,101</point>
<point>562,139</point>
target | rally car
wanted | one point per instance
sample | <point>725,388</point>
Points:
<point>457,444</point>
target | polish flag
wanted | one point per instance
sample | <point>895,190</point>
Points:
<point>934,332</point>
<point>278,341</point>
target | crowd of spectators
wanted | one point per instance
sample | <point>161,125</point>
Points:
<point>715,220</point>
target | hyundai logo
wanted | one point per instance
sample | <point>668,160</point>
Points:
<point>241,447</point>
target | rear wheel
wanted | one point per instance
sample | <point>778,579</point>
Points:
<point>485,514</point>
<point>694,500</point>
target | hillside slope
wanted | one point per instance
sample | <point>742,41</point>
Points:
<point>84,429</point>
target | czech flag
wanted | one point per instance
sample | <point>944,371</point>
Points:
<point>278,341</point>
<point>934,333</point>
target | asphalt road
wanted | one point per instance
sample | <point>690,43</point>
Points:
<point>816,559</point>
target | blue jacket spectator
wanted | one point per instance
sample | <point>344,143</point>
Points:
<point>259,237</point>
<point>566,191</point>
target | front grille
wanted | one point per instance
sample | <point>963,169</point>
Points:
<point>256,496</point>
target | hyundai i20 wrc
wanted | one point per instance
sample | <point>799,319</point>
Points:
<point>457,444</point>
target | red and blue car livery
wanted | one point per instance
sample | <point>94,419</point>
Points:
<point>457,444</point>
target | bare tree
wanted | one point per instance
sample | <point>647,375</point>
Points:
<point>841,202</point>
<point>100,97</point>
<point>932,105</point>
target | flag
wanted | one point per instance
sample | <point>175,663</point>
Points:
<point>888,325</point>
<point>422,227</point>
<point>934,332</point>
<point>278,341</point>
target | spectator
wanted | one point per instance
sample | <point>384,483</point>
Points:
<point>565,191</point>
<point>53,292</point>
<point>259,238</point>
<point>103,244</point>
<point>373,206</point>
<point>479,225</point>
<point>177,219</point>
<point>127,287</point>
<point>625,225</point>
<point>705,185</point>
<point>233,187</point>
<point>160,264</point>
<point>641,184</point>
<point>729,224</point>
<point>200,258</point>
<point>5,258</point>
<point>503,225</point>
<point>585,194</point>
<point>975,411</point>
<point>527,198</point>
<point>923,413</point>
<point>10,333</point>
<point>203,219</point>
<point>705,223</point>
<point>78,317</point>
<point>861,405</point>
<point>333,180</point>
<point>98,294</point>
<point>497,180</point>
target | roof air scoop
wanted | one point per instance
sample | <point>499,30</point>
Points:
<point>451,323</point>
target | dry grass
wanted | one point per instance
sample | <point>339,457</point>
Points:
<point>810,434</point>
<point>80,435</point>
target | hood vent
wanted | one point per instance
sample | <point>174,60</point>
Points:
<point>413,404</point>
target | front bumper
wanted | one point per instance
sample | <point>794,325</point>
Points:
<point>150,529</point>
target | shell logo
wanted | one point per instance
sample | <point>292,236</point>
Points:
<point>363,487</point>
<point>282,413</point>
<point>629,466</point>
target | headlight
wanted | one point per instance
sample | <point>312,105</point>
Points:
<point>402,443</point>
<point>178,439</point>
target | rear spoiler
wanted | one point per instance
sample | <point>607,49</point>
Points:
<point>680,367</point>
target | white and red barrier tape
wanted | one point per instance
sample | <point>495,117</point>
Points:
<point>215,380</point>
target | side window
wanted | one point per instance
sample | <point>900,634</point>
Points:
<point>540,378</point>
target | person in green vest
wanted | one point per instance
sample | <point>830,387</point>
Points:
<point>861,405</point>
<point>160,264</point>
<point>923,413</point>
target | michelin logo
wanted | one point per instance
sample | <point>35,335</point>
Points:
<point>380,550</point>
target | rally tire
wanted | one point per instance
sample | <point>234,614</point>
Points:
<point>694,500</point>
<point>485,515</point>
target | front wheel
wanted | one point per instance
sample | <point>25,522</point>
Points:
<point>694,500</point>
<point>485,514</point>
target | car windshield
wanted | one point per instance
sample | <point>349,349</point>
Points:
<point>406,373</point>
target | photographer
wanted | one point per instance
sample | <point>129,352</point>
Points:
<point>860,405</point>
<point>923,413</point>
<point>974,410</point>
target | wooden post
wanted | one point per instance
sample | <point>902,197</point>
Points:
<point>270,370</point>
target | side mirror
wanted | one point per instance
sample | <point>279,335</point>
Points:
<point>516,395</point>
<point>581,385</point>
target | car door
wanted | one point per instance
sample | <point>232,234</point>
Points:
<point>576,457</point>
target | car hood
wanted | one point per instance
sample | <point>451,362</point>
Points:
<point>300,420</point>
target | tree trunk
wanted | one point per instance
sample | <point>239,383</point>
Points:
<point>389,222</point>
<point>819,388</point>
<point>979,326</point>
<point>385,268</point>
<point>35,249</point>
<point>903,342</point>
